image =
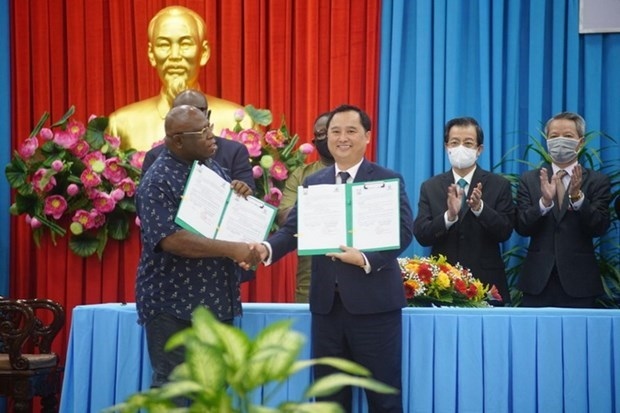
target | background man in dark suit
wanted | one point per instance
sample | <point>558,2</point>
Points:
<point>231,155</point>
<point>467,212</point>
<point>562,207</point>
<point>355,298</point>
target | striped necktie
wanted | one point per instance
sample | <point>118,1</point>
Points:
<point>560,188</point>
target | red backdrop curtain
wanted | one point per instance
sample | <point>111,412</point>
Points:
<point>297,58</point>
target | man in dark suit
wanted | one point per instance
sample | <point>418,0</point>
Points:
<point>467,212</point>
<point>562,207</point>
<point>231,156</point>
<point>355,298</point>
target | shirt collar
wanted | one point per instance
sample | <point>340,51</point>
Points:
<point>467,177</point>
<point>352,170</point>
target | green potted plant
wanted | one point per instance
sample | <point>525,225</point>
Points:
<point>223,368</point>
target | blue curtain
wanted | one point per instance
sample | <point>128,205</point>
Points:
<point>5,147</point>
<point>510,64</point>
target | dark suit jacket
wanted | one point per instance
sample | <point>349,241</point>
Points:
<point>361,293</point>
<point>563,238</point>
<point>231,155</point>
<point>472,241</point>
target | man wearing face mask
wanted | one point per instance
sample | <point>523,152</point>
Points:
<point>289,198</point>
<point>562,207</point>
<point>467,212</point>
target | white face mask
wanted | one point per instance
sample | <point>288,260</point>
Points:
<point>562,149</point>
<point>462,157</point>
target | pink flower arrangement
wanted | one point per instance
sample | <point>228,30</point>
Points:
<point>273,153</point>
<point>75,176</point>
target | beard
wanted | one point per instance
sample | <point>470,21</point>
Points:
<point>175,86</point>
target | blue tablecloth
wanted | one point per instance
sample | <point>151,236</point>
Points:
<point>454,360</point>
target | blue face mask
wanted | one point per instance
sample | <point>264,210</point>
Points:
<point>562,149</point>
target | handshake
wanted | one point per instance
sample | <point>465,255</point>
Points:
<point>248,255</point>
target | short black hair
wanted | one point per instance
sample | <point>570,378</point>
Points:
<point>463,121</point>
<point>364,118</point>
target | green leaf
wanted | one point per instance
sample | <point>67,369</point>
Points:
<point>39,124</point>
<point>118,226</point>
<point>16,172</point>
<point>329,385</point>
<point>344,365</point>
<point>83,245</point>
<point>94,134</point>
<point>62,121</point>
<point>102,238</point>
<point>206,367</point>
<point>261,117</point>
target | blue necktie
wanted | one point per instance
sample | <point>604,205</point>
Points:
<point>462,183</point>
<point>344,177</point>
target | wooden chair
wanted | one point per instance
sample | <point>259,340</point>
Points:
<point>25,372</point>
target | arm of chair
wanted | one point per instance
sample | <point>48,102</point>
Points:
<point>16,325</point>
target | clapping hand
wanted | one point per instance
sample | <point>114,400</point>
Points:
<point>455,196</point>
<point>548,188</point>
<point>475,199</point>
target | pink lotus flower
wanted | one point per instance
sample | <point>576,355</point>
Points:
<point>104,203</point>
<point>230,135</point>
<point>137,159</point>
<point>275,138</point>
<point>83,217</point>
<point>239,115</point>
<point>57,165</point>
<point>55,205</point>
<point>117,194</point>
<point>80,149</point>
<point>43,180</point>
<point>65,139</point>
<point>97,218</point>
<point>273,197</point>
<point>46,134</point>
<point>76,128</point>
<point>157,143</point>
<point>33,222</point>
<point>113,141</point>
<point>73,189</point>
<point>113,172</point>
<point>251,139</point>
<point>306,148</point>
<point>90,178</point>
<point>278,171</point>
<point>257,171</point>
<point>28,148</point>
<point>95,161</point>
<point>128,186</point>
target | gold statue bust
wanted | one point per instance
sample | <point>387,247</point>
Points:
<point>177,49</point>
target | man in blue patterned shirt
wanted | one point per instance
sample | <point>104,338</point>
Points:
<point>180,270</point>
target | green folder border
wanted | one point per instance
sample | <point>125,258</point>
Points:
<point>349,218</point>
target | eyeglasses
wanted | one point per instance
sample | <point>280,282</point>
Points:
<point>204,133</point>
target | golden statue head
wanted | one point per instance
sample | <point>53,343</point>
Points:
<point>177,48</point>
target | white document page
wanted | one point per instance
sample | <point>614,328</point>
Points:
<point>204,200</point>
<point>246,220</point>
<point>376,215</point>
<point>321,218</point>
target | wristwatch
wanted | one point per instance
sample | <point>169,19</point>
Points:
<point>573,199</point>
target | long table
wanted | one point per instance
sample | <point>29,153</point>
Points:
<point>454,359</point>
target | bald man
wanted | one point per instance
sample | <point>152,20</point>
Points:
<point>180,270</point>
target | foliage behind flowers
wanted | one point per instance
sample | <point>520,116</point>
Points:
<point>433,281</point>
<point>272,153</point>
<point>72,175</point>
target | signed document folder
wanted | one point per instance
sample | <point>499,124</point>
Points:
<point>211,208</point>
<point>363,215</point>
